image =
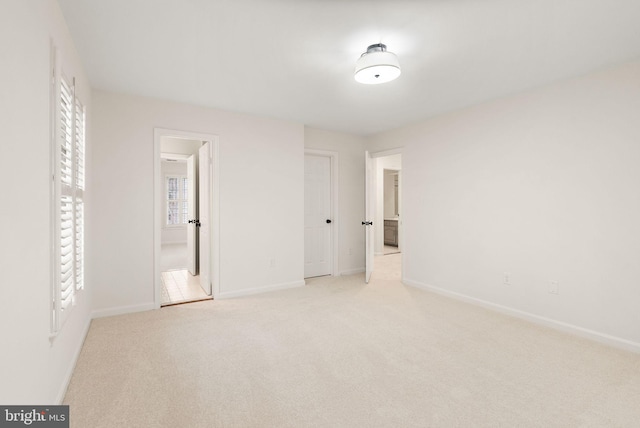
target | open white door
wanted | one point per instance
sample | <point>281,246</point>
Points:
<point>192,215</point>
<point>204,210</point>
<point>369,210</point>
<point>400,211</point>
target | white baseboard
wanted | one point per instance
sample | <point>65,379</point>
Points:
<point>607,339</point>
<point>72,366</point>
<point>351,271</point>
<point>259,290</point>
<point>122,310</point>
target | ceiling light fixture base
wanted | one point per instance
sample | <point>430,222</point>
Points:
<point>377,65</point>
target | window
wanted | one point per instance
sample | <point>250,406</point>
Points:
<point>177,200</point>
<point>69,117</point>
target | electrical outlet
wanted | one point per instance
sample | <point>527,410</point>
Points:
<point>507,279</point>
<point>272,263</point>
<point>554,287</point>
<point>350,252</point>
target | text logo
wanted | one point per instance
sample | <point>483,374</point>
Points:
<point>34,416</point>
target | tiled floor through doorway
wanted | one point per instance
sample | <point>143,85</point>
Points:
<point>388,249</point>
<point>178,286</point>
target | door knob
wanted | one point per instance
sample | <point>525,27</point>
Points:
<point>328,221</point>
<point>367,223</point>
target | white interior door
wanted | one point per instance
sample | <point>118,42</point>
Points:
<point>317,216</point>
<point>399,193</point>
<point>204,215</point>
<point>369,210</point>
<point>192,216</point>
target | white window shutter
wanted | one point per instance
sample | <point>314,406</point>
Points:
<point>66,133</point>
<point>66,253</point>
<point>79,245</point>
<point>79,145</point>
<point>69,187</point>
<point>79,181</point>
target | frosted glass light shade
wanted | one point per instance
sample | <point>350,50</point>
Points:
<point>377,66</point>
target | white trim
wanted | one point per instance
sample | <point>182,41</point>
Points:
<point>179,157</point>
<point>351,271</point>
<point>215,218</point>
<point>617,342</point>
<point>53,192</point>
<point>169,242</point>
<point>121,310</point>
<point>175,226</point>
<point>383,153</point>
<point>260,290</point>
<point>71,368</point>
<point>158,134</point>
<point>333,157</point>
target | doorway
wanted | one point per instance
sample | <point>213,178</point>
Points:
<point>384,225</point>
<point>390,211</point>
<point>179,249</point>
<point>186,219</point>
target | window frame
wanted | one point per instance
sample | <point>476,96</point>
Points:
<point>182,199</point>
<point>68,128</point>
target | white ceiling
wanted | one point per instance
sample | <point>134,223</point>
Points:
<point>294,59</point>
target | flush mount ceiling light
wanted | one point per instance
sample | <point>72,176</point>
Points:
<point>377,65</point>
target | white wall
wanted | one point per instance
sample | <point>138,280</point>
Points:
<point>542,186</point>
<point>33,369</point>
<point>172,234</point>
<point>351,193</point>
<point>261,198</point>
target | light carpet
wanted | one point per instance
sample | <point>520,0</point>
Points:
<point>339,353</point>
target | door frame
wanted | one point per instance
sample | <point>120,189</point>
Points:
<point>192,206</point>
<point>158,134</point>
<point>371,190</point>
<point>335,221</point>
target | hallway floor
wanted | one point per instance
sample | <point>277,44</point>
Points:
<point>179,286</point>
<point>389,249</point>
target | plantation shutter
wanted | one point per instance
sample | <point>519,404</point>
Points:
<point>66,197</point>
<point>79,194</point>
<point>69,185</point>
